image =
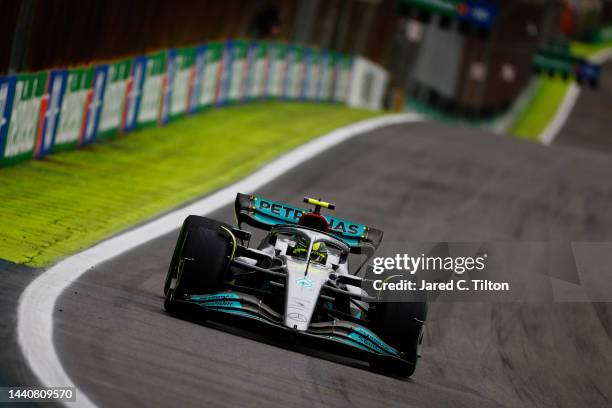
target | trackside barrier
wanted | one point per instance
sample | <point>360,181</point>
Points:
<point>61,109</point>
<point>366,84</point>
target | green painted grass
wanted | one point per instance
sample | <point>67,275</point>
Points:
<point>69,201</point>
<point>585,50</point>
<point>541,109</point>
<point>548,97</point>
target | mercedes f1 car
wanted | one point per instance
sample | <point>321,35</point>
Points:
<point>297,280</point>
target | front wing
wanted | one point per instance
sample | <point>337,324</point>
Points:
<point>347,336</point>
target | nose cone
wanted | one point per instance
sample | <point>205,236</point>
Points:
<point>302,293</point>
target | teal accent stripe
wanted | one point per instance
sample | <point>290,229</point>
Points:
<point>216,296</point>
<point>224,303</point>
<point>349,342</point>
<point>356,337</point>
<point>244,313</point>
<point>375,340</point>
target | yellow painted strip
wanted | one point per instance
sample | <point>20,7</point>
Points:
<point>233,241</point>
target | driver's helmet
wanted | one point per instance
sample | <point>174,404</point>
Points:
<point>301,247</point>
<point>319,253</point>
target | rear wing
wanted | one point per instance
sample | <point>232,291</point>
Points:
<point>264,214</point>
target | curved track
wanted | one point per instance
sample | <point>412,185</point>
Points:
<point>588,126</point>
<point>422,182</point>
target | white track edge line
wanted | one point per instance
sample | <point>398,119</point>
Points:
<point>37,302</point>
<point>553,127</point>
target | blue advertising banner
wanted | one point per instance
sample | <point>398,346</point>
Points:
<point>167,87</point>
<point>307,57</point>
<point>276,70</point>
<point>48,111</point>
<point>328,72</point>
<point>258,70</point>
<point>344,66</point>
<point>179,83</point>
<point>295,72</point>
<point>25,115</point>
<point>56,87</point>
<point>93,109</point>
<point>239,49</point>
<point>115,96</point>
<point>312,74</point>
<point>75,102</point>
<point>586,71</point>
<point>198,78</point>
<point>250,79</point>
<point>155,81</point>
<point>478,13</point>
<point>134,93</point>
<point>7,92</point>
<point>225,78</point>
<point>210,74</point>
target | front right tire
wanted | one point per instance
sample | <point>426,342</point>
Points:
<point>399,324</point>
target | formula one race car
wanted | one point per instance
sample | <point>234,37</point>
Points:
<point>297,280</point>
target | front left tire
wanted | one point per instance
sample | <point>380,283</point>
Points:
<point>200,260</point>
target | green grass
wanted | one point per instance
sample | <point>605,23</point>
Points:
<point>548,97</point>
<point>541,108</point>
<point>69,201</point>
<point>585,50</point>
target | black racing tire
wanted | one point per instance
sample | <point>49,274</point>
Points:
<point>399,324</point>
<point>206,246</point>
<point>169,305</point>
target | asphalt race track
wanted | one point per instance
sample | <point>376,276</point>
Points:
<point>422,182</point>
<point>589,124</point>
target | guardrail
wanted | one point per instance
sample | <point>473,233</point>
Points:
<point>45,112</point>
